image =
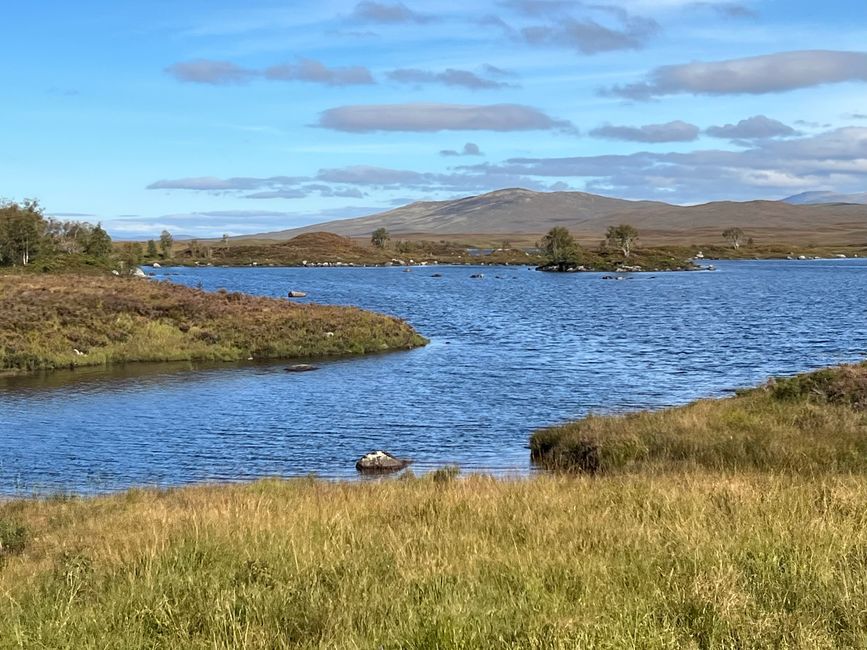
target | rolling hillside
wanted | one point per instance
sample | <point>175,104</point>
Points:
<point>523,215</point>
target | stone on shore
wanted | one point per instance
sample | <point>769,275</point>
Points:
<point>380,461</point>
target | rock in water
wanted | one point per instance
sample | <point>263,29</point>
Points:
<point>297,294</point>
<point>301,367</point>
<point>380,461</point>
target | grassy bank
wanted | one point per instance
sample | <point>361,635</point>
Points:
<point>815,422</point>
<point>698,560</point>
<point>49,321</point>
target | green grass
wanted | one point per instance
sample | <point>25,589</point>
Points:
<point>696,560</point>
<point>44,319</point>
<point>814,422</point>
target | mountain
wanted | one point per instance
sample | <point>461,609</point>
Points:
<point>815,198</point>
<point>523,215</point>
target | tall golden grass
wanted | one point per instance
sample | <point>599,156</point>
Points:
<point>682,560</point>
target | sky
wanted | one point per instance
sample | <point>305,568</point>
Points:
<point>211,117</point>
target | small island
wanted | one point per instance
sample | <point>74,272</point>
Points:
<point>616,253</point>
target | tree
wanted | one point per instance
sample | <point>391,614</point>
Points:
<point>98,242</point>
<point>152,249</point>
<point>623,237</point>
<point>22,232</point>
<point>166,243</point>
<point>130,256</point>
<point>734,236</point>
<point>225,240</point>
<point>560,248</point>
<point>379,237</point>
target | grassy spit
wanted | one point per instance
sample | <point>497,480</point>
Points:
<point>682,560</point>
<point>814,422</point>
<point>44,319</point>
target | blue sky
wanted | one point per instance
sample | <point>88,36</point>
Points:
<point>212,117</point>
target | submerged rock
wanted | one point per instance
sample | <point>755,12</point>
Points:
<point>380,461</point>
<point>301,367</point>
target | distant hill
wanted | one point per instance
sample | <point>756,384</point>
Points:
<point>522,215</point>
<point>815,198</point>
<point>310,246</point>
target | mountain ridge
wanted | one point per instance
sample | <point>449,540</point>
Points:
<point>526,213</point>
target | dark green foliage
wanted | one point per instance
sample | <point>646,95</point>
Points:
<point>734,236</point>
<point>13,538</point>
<point>131,256</point>
<point>152,251</point>
<point>22,232</point>
<point>561,249</point>
<point>380,237</point>
<point>30,240</point>
<point>623,237</point>
<point>166,243</point>
<point>98,242</point>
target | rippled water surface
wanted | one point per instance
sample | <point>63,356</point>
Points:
<point>509,353</point>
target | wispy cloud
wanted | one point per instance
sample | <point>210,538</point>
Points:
<point>752,128</point>
<point>589,36</point>
<point>754,75</point>
<point>219,73</point>
<point>207,71</point>
<point>470,149</point>
<point>540,7</point>
<point>676,131</point>
<point>439,117</point>
<point>728,9</point>
<point>316,72</point>
<point>387,13</point>
<point>448,77</point>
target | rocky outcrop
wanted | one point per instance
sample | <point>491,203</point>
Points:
<point>380,461</point>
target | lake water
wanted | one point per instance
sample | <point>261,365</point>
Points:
<point>509,353</point>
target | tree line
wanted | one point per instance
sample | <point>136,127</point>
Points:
<point>28,236</point>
